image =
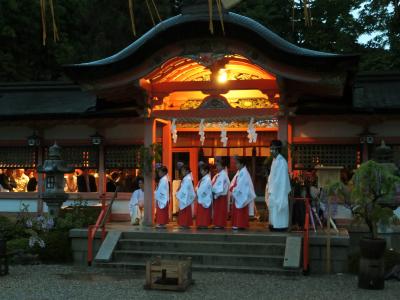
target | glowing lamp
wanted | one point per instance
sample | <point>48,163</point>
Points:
<point>222,76</point>
<point>211,161</point>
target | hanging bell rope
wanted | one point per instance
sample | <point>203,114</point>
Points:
<point>156,10</point>
<point>55,29</point>
<point>43,13</point>
<point>150,12</point>
<point>306,6</point>
<point>219,6</point>
<point>130,4</point>
<point>293,15</point>
<point>210,14</point>
<point>307,13</point>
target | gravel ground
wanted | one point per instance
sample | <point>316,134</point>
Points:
<point>72,282</point>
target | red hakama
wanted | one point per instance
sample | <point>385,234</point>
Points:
<point>240,216</point>
<point>220,208</point>
<point>185,216</point>
<point>162,215</point>
<point>203,217</point>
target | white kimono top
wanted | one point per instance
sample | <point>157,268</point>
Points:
<point>220,184</point>
<point>161,193</point>
<point>185,193</point>
<point>278,185</point>
<point>136,199</point>
<point>243,193</point>
<point>204,191</point>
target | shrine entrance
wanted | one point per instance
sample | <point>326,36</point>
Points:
<point>210,106</point>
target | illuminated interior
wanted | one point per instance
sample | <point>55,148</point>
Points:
<point>182,83</point>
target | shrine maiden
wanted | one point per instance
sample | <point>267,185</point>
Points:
<point>242,193</point>
<point>136,204</point>
<point>278,189</point>
<point>161,196</point>
<point>185,195</point>
<point>204,198</point>
<point>220,188</point>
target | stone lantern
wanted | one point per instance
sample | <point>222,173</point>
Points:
<point>54,168</point>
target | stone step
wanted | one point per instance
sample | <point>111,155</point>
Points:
<point>202,246</point>
<point>209,235</point>
<point>213,268</point>
<point>201,258</point>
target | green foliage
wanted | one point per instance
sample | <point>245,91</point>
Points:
<point>58,247</point>
<point>372,186</point>
<point>78,215</point>
<point>88,31</point>
<point>19,244</point>
<point>31,237</point>
<point>148,155</point>
<point>7,228</point>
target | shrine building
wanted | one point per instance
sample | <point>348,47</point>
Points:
<point>198,95</point>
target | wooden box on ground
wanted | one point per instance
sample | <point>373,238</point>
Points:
<point>173,275</point>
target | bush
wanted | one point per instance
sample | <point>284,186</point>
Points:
<point>18,245</point>
<point>7,228</point>
<point>57,249</point>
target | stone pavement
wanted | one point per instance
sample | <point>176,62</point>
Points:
<point>71,282</point>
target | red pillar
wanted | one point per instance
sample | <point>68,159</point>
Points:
<point>149,139</point>
<point>167,154</point>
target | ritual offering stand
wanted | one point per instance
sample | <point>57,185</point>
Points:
<point>171,275</point>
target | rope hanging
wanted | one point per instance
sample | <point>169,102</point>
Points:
<point>156,10</point>
<point>150,12</point>
<point>55,29</point>
<point>210,14</point>
<point>130,4</point>
<point>307,13</point>
<point>43,13</point>
<point>219,6</point>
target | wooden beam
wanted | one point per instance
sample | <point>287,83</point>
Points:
<point>226,114</point>
<point>211,87</point>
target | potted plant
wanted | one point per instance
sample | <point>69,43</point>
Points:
<point>372,186</point>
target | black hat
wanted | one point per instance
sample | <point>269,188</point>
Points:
<point>276,144</point>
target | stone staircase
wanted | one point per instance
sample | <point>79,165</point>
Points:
<point>214,251</point>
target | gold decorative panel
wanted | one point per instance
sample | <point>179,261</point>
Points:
<point>234,103</point>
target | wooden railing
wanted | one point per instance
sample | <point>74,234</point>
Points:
<point>100,223</point>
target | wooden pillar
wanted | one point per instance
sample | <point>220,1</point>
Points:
<point>167,156</point>
<point>149,139</point>
<point>40,180</point>
<point>194,164</point>
<point>102,178</point>
<point>290,142</point>
<point>283,129</point>
<point>167,148</point>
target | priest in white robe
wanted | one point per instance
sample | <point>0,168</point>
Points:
<point>204,198</point>
<point>278,189</point>
<point>161,196</point>
<point>136,204</point>
<point>242,193</point>
<point>185,196</point>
